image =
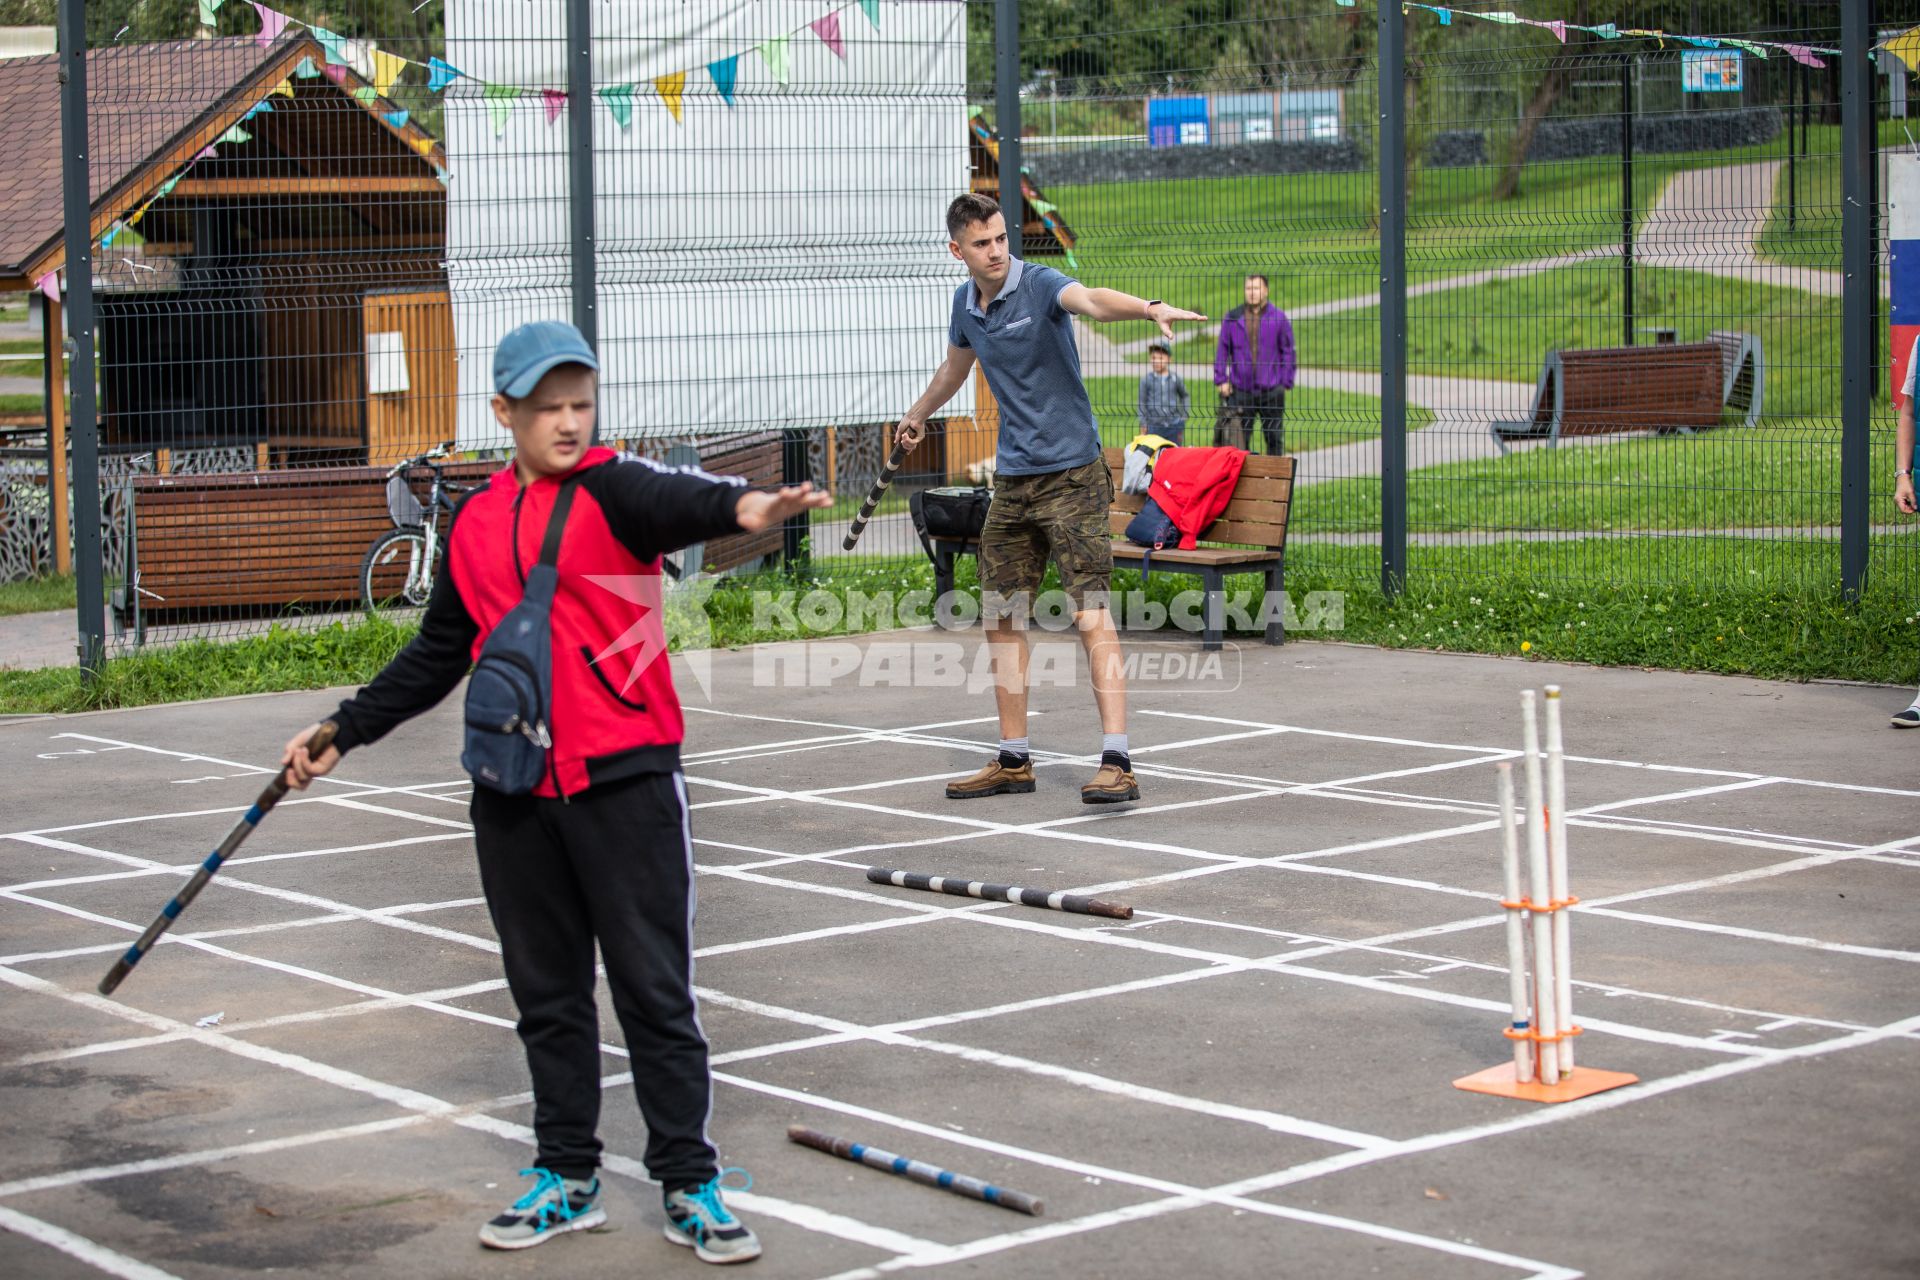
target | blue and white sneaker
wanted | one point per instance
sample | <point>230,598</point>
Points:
<point>554,1206</point>
<point>697,1217</point>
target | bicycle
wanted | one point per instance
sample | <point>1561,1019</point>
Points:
<point>398,570</point>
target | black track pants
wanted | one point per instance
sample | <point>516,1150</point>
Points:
<point>615,864</point>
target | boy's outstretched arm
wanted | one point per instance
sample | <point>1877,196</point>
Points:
<point>654,509</point>
<point>1108,305</point>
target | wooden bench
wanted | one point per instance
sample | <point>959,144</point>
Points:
<point>267,540</point>
<point>1671,388</point>
<point>1254,523</point>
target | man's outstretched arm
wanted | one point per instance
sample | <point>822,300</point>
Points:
<point>1107,305</point>
<point>947,380</point>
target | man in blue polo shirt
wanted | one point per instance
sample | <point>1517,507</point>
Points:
<point>1051,486</point>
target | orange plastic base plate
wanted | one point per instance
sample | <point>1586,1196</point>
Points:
<point>1583,1081</point>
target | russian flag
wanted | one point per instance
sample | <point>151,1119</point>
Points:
<point>1903,234</point>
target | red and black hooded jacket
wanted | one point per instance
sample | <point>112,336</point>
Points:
<point>614,713</point>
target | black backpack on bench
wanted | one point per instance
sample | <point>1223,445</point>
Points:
<point>952,513</point>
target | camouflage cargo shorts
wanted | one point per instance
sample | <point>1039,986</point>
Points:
<point>1059,515</point>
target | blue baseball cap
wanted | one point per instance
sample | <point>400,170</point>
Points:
<point>528,353</point>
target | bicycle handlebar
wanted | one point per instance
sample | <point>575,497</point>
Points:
<point>426,459</point>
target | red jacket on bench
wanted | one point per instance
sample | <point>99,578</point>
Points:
<point>1193,486</point>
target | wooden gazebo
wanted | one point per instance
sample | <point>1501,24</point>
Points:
<point>269,215</point>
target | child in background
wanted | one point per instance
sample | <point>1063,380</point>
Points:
<point>1163,397</point>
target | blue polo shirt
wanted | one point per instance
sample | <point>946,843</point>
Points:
<point>1024,342</point>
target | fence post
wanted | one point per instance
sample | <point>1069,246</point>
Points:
<point>580,171</point>
<point>793,470</point>
<point>1006,111</point>
<point>1626,197</point>
<point>1857,302</point>
<point>89,573</point>
<point>1393,299</point>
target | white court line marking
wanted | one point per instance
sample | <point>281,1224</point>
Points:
<point>1274,1121</point>
<point>1180,1194</point>
<point>426,1104</point>
<point>97,1256</point>
<point>187,868</point>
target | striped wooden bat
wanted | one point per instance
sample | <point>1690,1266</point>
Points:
<point>859,526</point>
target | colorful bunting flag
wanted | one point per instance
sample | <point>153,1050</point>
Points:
<point>1073,263</point>
<point>774,53</point>
<point>398,119</point>
<point>166,188</point>
<point>206,153</point>
<point>499,99</point>
<point>49,284</point>
<point>386,69</point>
<point>440,74</point>
<point>336,46</point>
<point>555,101</point>
<point>724,73</point>
<point>272,23</point>
<point>1906,47</point>
<point>366,94</point>
<point>1504,18</point>
<point>235,134</point>
<point>1801,54</point>
<point>872,9</point>
<point>336,72</point>
<point>113,233</point>
<point>974,113</point>
<point>1043,207</point>
<point>257,108</point>
<point>306,70</point>
<point>208,11</point>
<point>284,88</point>
<point>828,29</point>
<point>619,100</point>
<point>1606,31</point>
<point>671,88</point>
<point>422,143</point>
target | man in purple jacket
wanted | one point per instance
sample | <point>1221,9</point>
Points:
<point>1253,370</point>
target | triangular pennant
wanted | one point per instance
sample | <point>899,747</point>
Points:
<point>774,54</point>
<point>1747,47</point>
<point>113,233</point>
<point>619,100</point>
<point>421,143</point>
<point>235,134</point>
<point>671,89</point>
<point>1505,19</point>
<point>974,113</point>
<point>1606,31</point>
<point>206,153</point>
<point>499,99</point>
<point>441,73</point>
<point>284,88</point>
<point>386,69</point>
<point>1073,263</point>
<point>208,11</point>
<point>724,72</point>
<point>1558,28</point>
<point>272,23</point>
<point>828,29</point>
<point>166,188</point>
<point>366,94</point>
<point>306,70</point>
<point>872,9</point>
<point>336,72</point>
<point>257,108</point>
<point>398,119</point>
<point>1445,15</point>
<point>1801,54</point>
<point>555,101</point>
<point>335,46</point>
<point>1043,206</point>
<point>49,284</point>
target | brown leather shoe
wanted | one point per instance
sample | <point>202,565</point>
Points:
<point>1110,786</point>
<point>993,780</point>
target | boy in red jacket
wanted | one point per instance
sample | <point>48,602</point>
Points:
<point>602,849</point>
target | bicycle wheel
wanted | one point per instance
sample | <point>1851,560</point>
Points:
<point>395,573</point>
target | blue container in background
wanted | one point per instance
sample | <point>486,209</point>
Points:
<point>1177,122</point>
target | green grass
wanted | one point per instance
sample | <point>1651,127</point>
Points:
<point>1761,610</point>
<point>1782,473</point>
<point>1315,418</point>
<point>30,404</point>
<point>37,595</point>
<point>341,654</point>
<point>20,368</point>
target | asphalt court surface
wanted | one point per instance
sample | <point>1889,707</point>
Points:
<point>1252,1077</point>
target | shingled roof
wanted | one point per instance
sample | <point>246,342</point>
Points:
<point>153,108</point>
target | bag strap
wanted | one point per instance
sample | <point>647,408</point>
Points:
<point>557,522</point>
<point>917,510</point>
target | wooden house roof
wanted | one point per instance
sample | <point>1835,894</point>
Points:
<point>154,108</point>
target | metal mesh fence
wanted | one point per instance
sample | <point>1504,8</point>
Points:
<point>1624,282</point>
